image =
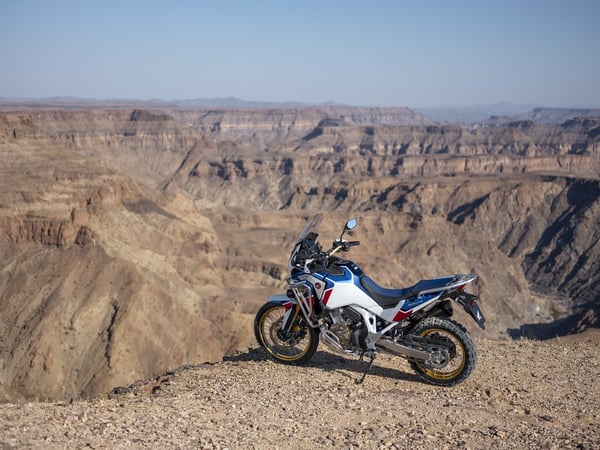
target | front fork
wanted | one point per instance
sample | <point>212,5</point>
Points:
<point>292,310</point>
<point>291,313</point>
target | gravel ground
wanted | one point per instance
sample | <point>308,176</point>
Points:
<point>522,394</point>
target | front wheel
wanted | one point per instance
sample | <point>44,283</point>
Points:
<point>294,347</point>
<point>452,351</point>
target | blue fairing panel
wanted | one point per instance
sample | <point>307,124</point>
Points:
<point>414,302</point>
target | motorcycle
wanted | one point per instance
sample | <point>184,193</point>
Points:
<point>331,299</point>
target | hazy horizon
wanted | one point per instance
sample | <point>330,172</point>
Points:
<point>250,102</point>
<point>386,53</point>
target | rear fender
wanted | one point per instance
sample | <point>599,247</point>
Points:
<point>470,305</point>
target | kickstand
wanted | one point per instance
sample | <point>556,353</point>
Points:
<point>372,356</point>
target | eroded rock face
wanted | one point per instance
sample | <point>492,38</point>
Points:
<point>134,241</point>
<point>99,284</point>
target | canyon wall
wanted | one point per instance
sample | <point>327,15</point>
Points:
<point>134,241</point>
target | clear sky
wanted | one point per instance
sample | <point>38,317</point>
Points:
<point>369,52</point>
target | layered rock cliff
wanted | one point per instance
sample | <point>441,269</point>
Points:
<point>133,241</point>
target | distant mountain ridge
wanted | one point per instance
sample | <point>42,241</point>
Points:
<point>460,114</point>
<point>495,113</point>
<point>560,115</point>
<point>216,102</point>
<point>503,113</point>
<point>234,102</point>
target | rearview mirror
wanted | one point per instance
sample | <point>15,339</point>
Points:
<point>351,224</point>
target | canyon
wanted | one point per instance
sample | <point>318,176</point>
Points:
<point>138,239</point>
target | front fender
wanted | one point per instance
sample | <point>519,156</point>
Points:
<point>281,298</point>
<point>291,311</point>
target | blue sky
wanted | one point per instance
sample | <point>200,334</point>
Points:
<point>385,53</point>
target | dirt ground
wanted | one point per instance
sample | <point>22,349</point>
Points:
<point>522,394</point>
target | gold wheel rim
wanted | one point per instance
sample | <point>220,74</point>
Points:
<point>460,353</point>
<point>268,327</point>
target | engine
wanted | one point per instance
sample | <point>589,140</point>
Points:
<point>344,331</point>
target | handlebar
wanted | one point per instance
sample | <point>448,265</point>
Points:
<point>343,246</point>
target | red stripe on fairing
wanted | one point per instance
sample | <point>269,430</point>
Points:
<point>288,305</point>
<point>327,295</point>
<point>400,315</point>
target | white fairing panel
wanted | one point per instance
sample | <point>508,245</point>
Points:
<point>346,294</point>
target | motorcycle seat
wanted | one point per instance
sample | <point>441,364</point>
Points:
<point>383,296</point>
<point>390,297</point>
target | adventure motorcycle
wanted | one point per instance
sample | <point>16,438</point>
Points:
<point>332,299</point>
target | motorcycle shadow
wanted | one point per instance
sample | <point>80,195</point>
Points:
<point>331,362</point>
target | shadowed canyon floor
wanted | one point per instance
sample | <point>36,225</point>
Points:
<point>134,241</point>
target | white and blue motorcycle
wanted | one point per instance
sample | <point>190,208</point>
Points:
<point>332,300</point>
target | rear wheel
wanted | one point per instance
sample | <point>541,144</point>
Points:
<point>452,351</point>
<point>295,347</point>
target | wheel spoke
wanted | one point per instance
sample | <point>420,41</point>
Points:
<point>295,347</point>
<point>446,363</point>
<point>452,353</point>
